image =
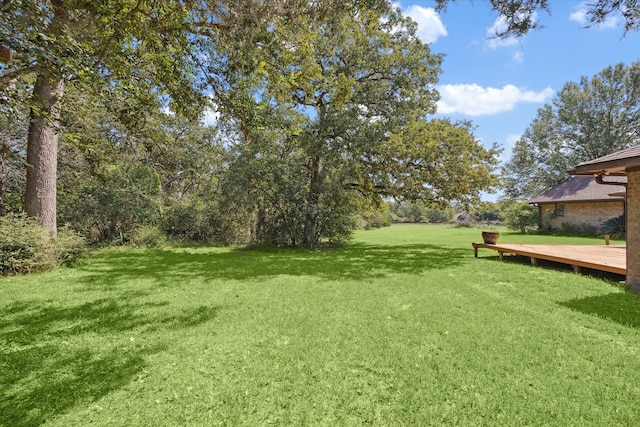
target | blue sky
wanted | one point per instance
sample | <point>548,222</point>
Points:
<point>500,84</point>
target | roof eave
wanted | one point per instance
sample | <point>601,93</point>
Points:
<point>612,168</point>
<point>610,199</point>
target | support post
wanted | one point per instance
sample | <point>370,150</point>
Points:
<point>633,229</point>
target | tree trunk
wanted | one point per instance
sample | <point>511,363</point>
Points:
<point>313,205</point>
<point>42,150</point>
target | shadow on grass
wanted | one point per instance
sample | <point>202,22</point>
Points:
<point>53,358</point>
<point>557,266</point>
<point>622,308</point>
<point>356,261</point>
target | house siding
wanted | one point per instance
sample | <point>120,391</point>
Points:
<point>580,213</point>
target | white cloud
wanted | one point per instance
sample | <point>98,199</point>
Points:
<point>494,42</point>
<point>430,27</point>
<point>475,100</point>
<point>580,16</point>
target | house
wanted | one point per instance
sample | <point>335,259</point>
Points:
<point>623,163</point>
<point>580,204</point>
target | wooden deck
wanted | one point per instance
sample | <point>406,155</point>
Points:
<point>609,258</point>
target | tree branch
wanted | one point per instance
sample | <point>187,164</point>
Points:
<point>8,78</point>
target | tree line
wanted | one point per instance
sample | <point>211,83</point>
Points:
<point>585,120</point>
<point>323,112</point>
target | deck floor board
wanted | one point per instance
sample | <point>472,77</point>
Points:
<point>609,258</point>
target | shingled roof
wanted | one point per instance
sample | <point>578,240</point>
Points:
<point>581,189</point>
<point>614,164</point>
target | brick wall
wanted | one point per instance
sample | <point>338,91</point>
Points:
<point>592,213</point>
<point>633,231</point>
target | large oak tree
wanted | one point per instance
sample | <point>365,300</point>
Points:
<point>353,88</point>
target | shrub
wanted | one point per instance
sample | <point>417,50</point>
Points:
<point>26,247</point>
<point>374,218</point>
<point>578,229</point>
<point>521,216</point>
<point>192,220</point>
<point>149,236</point>
<point>615,227</point>
<point>463,224</point>
<point>68,246</point>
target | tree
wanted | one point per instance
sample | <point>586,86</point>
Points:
<point>520,16</point>
<point>440,215</point>
<point>103,43</point>
<point>13,136</point>
<point>356,86</point>
<point>488,211</point>
<point>366,75</point>
<point>438,162</point>
<point>520,216</point>
<point>341,90</point>
<point>408,212</point>
<point>149,51</point>
<point>370,217</point>
<point>584,121</point>
<point>154,169</point>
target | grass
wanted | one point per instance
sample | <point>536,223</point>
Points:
<point>401,327</point>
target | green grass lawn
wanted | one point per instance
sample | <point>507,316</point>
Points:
<point>401,327</point>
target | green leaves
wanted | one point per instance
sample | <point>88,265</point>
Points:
<point>521,16</point>
<point>352,86</point>
<point>439,161</point>
<point>586,120</point>
<point>326,104</point>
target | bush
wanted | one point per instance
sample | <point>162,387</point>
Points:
<point>615,227</point>
<point>521,216</point>
<point>439,215</point>
<point>149,236</point>
<point>69,246</point>
<point>192,220</point>
<point>26,247</point>
<point>374,218</point>
<point>578,229</point>
<point>463,224</point>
